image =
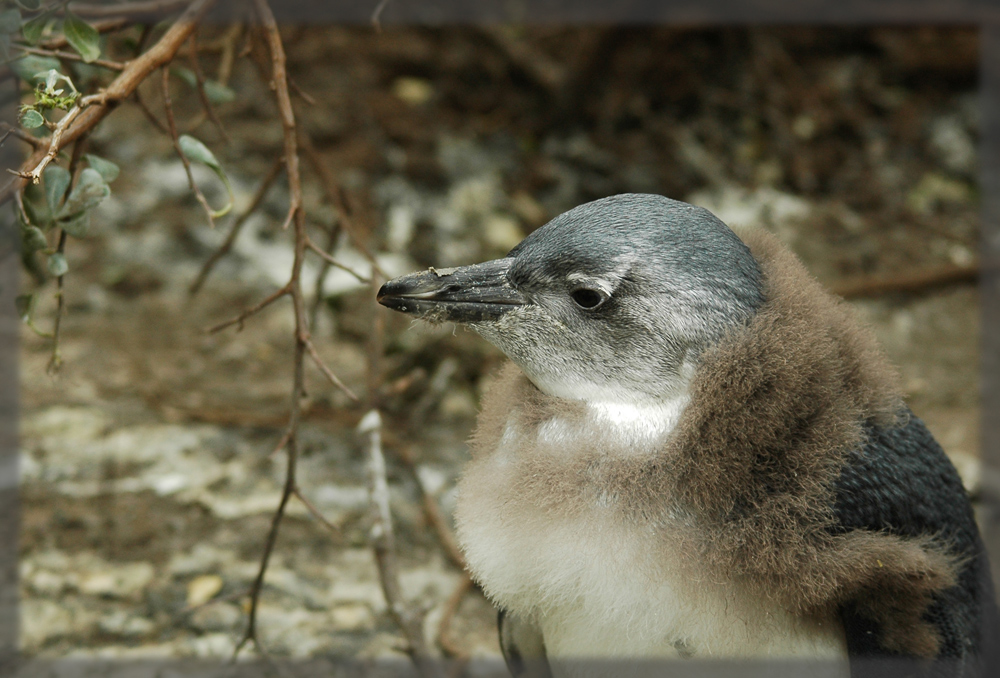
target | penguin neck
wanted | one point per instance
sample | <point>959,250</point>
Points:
<point>642,422</point>
<point>634,423</point>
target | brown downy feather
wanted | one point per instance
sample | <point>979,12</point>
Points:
<point>743,485</point>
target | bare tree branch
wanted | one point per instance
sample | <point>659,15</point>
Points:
<point>920,281</point>
<point>256,308</point>
<point>336,264</point>
<point>34,142</point>
<point>127,9</point>
<point>383,543</point>
<point>328,373</point>
<point>202,95</point>
<point>303,344</point>
<point>336,198</point>
<point>172,126</point>
<point>55,361</point>
<point>451,606</point>
<point>237,226</point>
<point>316,512</point>
<point>120,89</point>
<point>70,56</point>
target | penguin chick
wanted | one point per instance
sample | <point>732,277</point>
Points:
<point>698,452</point>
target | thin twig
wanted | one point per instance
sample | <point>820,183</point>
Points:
<point>910,283</point>
<point>279,83</point>
<point>433,512</point>
<point>377,15</point>
<point>127,9</point>
<point>256,308</point>
<point>272,536</point>
<point>336,197</point>
<point>106,26</point>
<point>172,126</point>
<point>304,95</point>
<point>328,373</point>
<point>34,142</point>
<point>450,609</point>
<point>296,217</point>
<point>55,361</point>
<point>237,226</point>
<point>317,299</point>
<point>147,111</point>
<point>202,95</point>
<point>55,143</point>
<point>383,544</point>
<point>316,512</point>
<point>104,63</point>
<point>227,58</point>
<point>336,264</point>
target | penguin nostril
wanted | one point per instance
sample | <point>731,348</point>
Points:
<point>588,299</point>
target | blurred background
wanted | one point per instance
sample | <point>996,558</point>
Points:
<point>148,479</point>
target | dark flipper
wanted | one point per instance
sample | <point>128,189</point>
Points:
<point>902,483</point>
<point>523,647</point>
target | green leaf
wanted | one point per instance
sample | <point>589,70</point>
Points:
<point>10,21</point>
<point>82,36</point>
<point>5,47</point>
<point>32,118</point>
<point>24,303</point>
<point>32,239</point>
<point>56,182</point>
<point>33,68</point>
<point>185,74</point>
<point>30,5</point>
<point>34,205</point>
<point>33,28</point>
<point>57,264</point>
<point>107,169</point>
<point>195,151</point>
<point>218,93</point>
<point>89,191</point>
<point>77,226</point>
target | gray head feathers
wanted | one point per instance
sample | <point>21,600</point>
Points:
<point>612,301</point>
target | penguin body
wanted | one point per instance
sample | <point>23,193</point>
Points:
<point>698,452</point>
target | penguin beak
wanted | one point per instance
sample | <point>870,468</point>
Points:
<point>469,294</point>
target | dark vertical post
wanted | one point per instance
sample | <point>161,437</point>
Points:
<point>10,517</point>
<point>989,287</point>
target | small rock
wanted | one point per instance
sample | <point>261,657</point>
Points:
<point>414,91</point>
<point>502,232</point>
<point>216,617</point>
<point>118,581</point>
<point>212,645</point>
<point>47,583</point>
<point>353,617</point>
<point>953,144</point>
<point>202,558</point>
<point>935,189</point>
<point>804,127</point>
<point>202,589</point>
<point>120,623</point>
<point>367,592</point>
<point>969,468</point>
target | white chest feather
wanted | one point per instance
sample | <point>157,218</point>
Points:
<point>596,585</point>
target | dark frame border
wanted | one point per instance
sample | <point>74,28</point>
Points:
<point>982,13</point>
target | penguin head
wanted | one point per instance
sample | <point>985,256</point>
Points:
<point>612,301</point>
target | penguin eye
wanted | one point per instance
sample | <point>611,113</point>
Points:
<point>588,299</point>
